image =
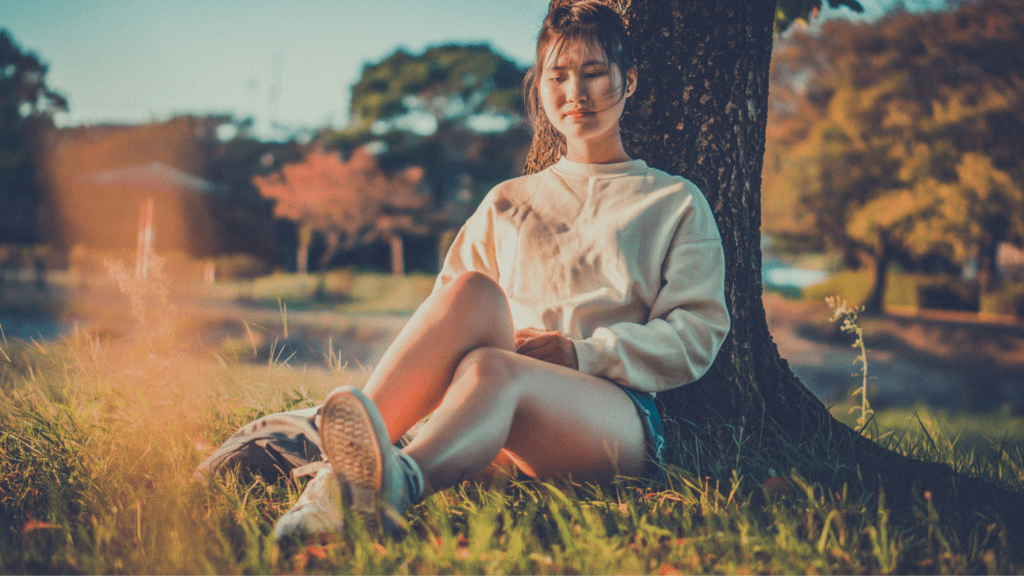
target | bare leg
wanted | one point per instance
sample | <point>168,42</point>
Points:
<point>549,419</point>
<point>455,359</point>
<point>411,379</point>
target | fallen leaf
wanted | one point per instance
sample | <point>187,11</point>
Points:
<point>778,486</point>
<point>33,525</point>
<point>668,570</point>
<point>316,552</point>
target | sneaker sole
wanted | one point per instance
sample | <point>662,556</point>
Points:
<point>350,439</point>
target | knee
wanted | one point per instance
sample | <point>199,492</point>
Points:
<point>486,367</point>
<point>475,287</point>
<point>480,307</point>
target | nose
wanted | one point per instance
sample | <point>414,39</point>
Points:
<point>576,91</point>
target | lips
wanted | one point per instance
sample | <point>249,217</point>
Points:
<point>578,113</point>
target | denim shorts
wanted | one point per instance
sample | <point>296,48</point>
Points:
<point>654,434</point>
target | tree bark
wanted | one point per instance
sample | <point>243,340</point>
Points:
<point>700,110</point>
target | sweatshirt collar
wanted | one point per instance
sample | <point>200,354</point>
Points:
<point>579,170</point>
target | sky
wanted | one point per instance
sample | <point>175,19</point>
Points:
<point>142,60</point>
<point>284,61</point>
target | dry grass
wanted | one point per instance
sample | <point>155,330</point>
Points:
<point>99,438</point>
<point>98,441</point>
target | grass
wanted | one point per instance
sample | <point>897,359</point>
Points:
<point>902,291</point>
<point>98,440</point>
<point>854,286</point>
<point>343,290</point>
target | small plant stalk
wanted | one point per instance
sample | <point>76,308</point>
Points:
<point>840,309</point>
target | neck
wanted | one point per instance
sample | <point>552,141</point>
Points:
<point>588,152</point>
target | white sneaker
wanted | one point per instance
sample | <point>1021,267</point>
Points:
<point>377,480</point>
<point>318,509</point>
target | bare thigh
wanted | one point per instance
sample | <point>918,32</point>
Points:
<point>564,421</point>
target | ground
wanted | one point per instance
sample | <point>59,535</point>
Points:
<point>953,361</point>
<point>944,360</point>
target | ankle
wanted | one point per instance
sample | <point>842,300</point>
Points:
<point>416,481</point>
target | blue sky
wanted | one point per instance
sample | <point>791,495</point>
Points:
<point>142,60</point>
<point>135,61</point>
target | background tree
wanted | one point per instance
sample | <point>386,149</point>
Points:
<point>322,194</point>
<point>455,110</point>
<point>450,83</point>
<point>347,202</point>
<point>26,109</point>
<point>403,209</point>
<point>900,138</point>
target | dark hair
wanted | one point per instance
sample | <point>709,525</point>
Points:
<point>580,22</point>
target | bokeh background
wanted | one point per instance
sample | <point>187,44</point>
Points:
<point>234,160</point>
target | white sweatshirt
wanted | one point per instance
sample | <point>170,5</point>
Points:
<point>624,259</point>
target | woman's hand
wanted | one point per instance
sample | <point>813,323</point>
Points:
<point>547,346</point>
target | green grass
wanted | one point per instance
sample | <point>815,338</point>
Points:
<point>342,290</point>
<point>854,286</point>
<point>98,440</point>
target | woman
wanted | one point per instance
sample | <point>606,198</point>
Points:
<point>567,300</point>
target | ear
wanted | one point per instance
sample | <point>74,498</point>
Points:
<point>631,82</point>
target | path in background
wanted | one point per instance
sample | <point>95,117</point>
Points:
<point>942,362</point>
<point>939,361</point>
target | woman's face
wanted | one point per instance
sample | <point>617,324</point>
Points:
<point>582,96</point>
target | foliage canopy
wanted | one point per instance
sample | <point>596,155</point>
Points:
<point>26,107</point>
<point>901,139</point>
<point>346,201</point>
<point>449,83</point>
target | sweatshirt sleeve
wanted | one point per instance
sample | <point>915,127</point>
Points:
<point>473,247</point>
<point>687,324</point>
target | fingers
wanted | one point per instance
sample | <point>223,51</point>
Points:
<point>546,345</point>
<point>531,332</point>
<point>525,345</point>
<point>527,334</point>
<point>551,347</point>
<point>549,354</point>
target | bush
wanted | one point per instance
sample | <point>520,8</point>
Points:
<point>1007,301</point>
<point>30,255</point>
<point>854,286</point>
<point>948,293</point>
<point>240,267</point>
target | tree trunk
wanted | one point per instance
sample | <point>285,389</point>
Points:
<point>302,251</point>
<point>397,254</point>
<point>333,241</point>
<point>875,304</point>
<point>988,263</point>
<point>700,110</point>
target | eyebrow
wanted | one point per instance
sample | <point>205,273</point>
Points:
<point>584,65</point>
